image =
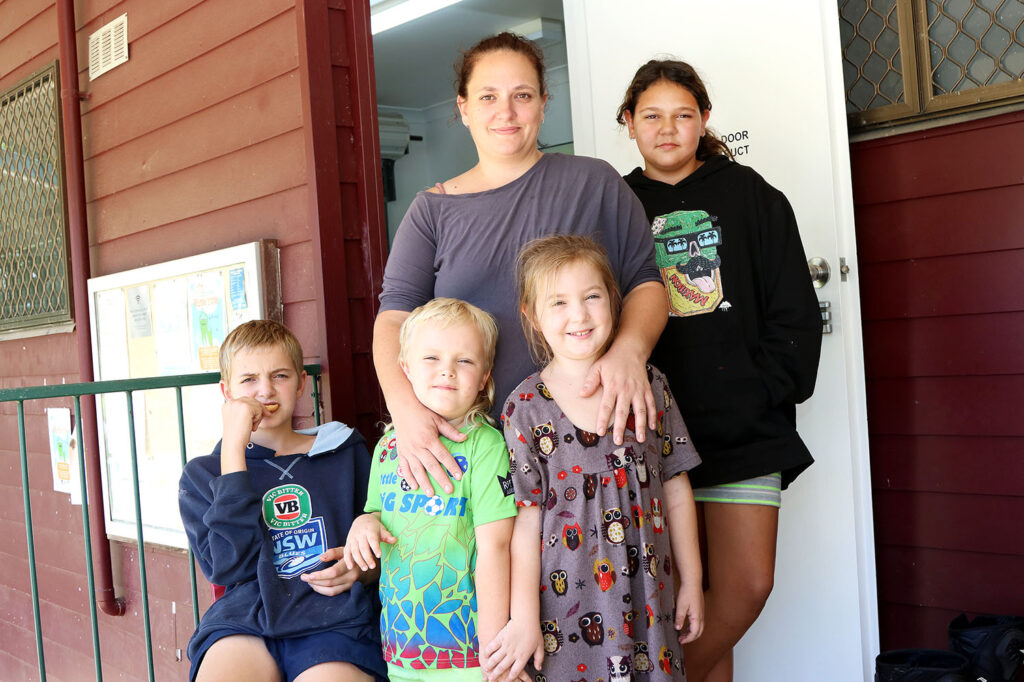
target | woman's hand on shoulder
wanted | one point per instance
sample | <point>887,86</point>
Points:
<point>626,386</point>
<point>420,451</point>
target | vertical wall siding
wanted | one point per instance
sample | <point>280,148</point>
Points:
<point>195,144</point>
<point>941,247</point>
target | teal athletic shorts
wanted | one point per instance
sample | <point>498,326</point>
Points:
<point>764,490</point>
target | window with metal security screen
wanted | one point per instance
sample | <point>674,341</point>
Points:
<point>906,60</point>
<point>34,278</point>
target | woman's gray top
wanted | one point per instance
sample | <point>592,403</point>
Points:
<point>465,245</point>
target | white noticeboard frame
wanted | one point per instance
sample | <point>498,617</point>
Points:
<point>162,320</point>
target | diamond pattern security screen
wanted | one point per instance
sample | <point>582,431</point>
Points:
<point>872,62</point>
<point>34,284</point>
<point>916,59</point>
<point>974,44</point>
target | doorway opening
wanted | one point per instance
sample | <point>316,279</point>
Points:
<point>422,140</point>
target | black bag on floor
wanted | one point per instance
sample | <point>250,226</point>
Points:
<point>992,644</point>
<point>920,665</point>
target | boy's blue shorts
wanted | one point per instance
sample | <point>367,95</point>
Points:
<point>294,655</point>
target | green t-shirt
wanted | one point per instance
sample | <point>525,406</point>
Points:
<point>428,616</point>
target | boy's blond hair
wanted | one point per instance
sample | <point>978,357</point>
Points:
<point>259,334</point>
<point>538,262</point>
<point>449,311</point>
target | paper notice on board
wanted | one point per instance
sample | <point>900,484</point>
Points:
<point>113,344</point>
<point>140,324</point>
<point>206,302</point>
<point>236,288</point>
<point>170,322</point>
<point>59,421</point>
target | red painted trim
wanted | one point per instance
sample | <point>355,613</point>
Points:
<point>941,131</point>
<point>365,114</point>
<point>325,215</point>
<point>364,111</point>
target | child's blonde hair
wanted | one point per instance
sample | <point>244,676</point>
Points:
<point>536,267</point>
<point>449,311</point>
<point>259,334</point>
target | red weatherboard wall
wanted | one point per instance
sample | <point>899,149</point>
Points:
<point>232,121</point>
<point>940,239</point>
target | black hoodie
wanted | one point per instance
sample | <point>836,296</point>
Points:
<point>741,347</point>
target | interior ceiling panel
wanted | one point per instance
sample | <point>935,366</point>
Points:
<point>414,61</point>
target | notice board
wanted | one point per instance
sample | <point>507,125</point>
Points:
<point>162,320</point>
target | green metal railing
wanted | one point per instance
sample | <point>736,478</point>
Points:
<point>128,387</point>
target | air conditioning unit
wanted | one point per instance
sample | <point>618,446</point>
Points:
<point>394,135</point>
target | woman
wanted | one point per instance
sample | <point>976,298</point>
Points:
<point>461,239</point>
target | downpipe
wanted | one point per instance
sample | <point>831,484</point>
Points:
<point>78,228</point>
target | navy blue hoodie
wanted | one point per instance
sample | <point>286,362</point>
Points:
<point>257,531</point>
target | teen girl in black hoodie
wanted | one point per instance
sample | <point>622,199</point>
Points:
<point>741,346</point>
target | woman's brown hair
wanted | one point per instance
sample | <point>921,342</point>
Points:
<point>513,42</point>
<point>683,75</point>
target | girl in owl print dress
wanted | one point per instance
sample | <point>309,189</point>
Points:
<point>617,523</point>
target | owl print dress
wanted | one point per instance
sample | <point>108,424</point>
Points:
<point>607,592</point>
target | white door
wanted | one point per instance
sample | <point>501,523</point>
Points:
<point>774,74</point>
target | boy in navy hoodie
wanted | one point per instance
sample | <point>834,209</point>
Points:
<point>262,514</point>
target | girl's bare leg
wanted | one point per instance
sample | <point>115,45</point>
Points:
<point>739,567</point>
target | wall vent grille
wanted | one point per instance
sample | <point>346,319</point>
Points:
<point>108,47</point>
